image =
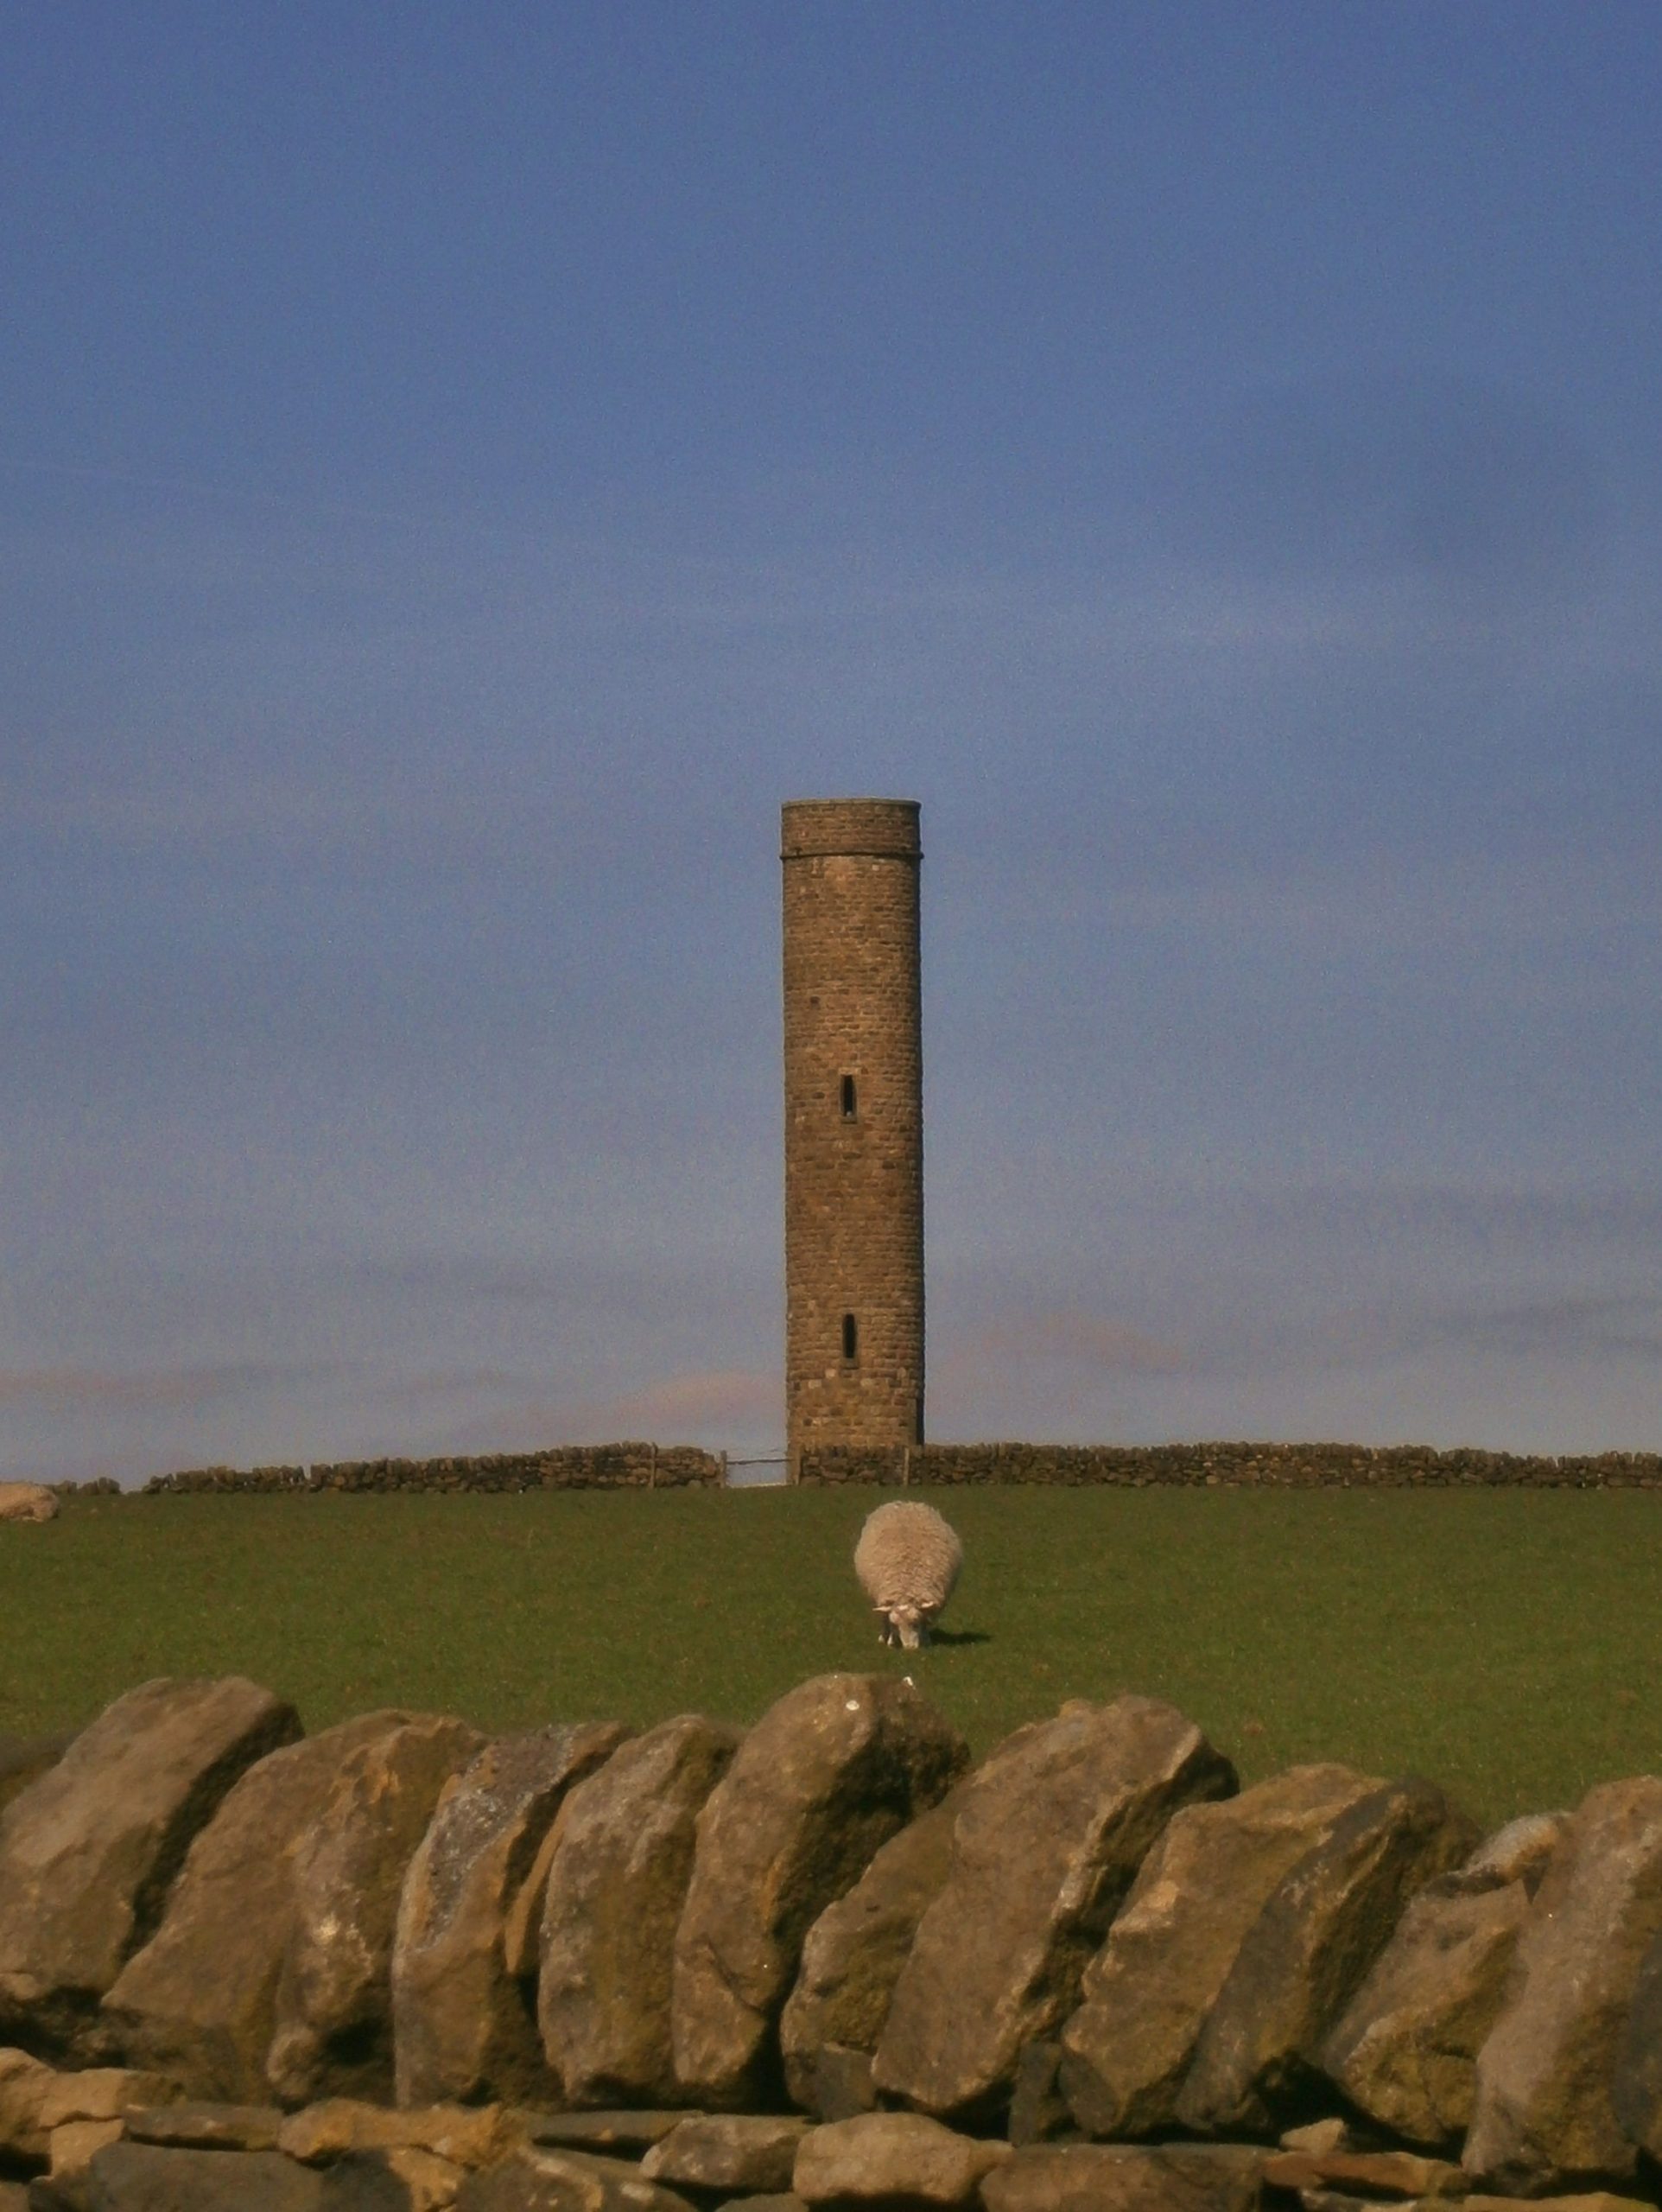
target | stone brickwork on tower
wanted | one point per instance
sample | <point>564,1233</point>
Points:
<point>853,1124</point>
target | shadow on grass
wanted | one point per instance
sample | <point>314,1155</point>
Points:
<point>959,1635</point>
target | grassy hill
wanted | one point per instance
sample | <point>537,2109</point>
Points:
<point>1507,1644</point>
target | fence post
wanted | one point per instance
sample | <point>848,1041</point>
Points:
<point>652,1470</point>
<point>905,1467</point>
<point>724,1471</point>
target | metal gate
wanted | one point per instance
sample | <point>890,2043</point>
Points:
<point>755,1473</point>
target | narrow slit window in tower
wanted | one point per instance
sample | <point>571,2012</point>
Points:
<point>850,1337</point>
<point>848,1100</point>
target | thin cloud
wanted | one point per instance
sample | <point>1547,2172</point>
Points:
<point>692,1406</point>
<point>1077,1339</point>
<point>70,1389</point>
<point>1574,1328</point>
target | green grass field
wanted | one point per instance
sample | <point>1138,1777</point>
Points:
<point>1506,1645</point>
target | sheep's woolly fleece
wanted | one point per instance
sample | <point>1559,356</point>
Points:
<point>908,1559</point>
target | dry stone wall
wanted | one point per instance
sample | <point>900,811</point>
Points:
<point>1268,1466</point>
<point>567,1466</point>
<point>821,1962</point>
<point>673,1466</point>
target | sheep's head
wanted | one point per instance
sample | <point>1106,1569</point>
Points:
<point>908,1625</point>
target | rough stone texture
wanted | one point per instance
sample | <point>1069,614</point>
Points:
<point>1322,2136</point>
<point>1304,1955</point>
<point>853,1179</point>
<point>464,2025</point>
<point>1542,2113</point>
<point>1636,2085</point>
<point>742,2151</point>
<point>565,2181</point>
<point>617,1881</point>
<point>197,2003</point>
<point>333,2013</point>
<point>892,2158</point>
<point>841,2084</point>
<point>144,2177</point>
<point>1146,1994</point>
<point>1038,2111</point>
<point>24,2082</point>
<point>197,2127</point>
<point>852,1954</point>
<point>1365,2173</point>
<point>824,1778</point>
<point>623,2133</point>
<point>74,2144</point>
<point>1590,2200</point>
<point>429,2184</point>
<point>27,1502</point>
<point>24,1759</point>
<point>1050,1833</point>
<point>1126,2177</point>
<point>100,2093</point>
<point>1520,1851</point>
<point>88,1852</point>
<point>467,2135</point>
<point>1405,2050</point>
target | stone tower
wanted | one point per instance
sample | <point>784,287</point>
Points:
<point>853,1124</point>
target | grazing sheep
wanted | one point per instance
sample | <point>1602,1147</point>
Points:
<point>907,1560</point>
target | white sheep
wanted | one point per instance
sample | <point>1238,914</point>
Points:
<point>908,1559</point>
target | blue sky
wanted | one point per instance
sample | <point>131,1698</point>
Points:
<point>460,468</point>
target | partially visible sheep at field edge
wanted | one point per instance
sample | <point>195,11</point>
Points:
<point>908,1560</point>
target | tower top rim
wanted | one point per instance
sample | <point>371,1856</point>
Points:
<point>878,828</point>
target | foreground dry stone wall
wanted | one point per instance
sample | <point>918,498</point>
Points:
<point>825,1962</point>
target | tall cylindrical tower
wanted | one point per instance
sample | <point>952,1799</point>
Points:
<point>853,1124</point>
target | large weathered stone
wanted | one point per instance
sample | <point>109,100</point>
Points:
<point>28,1501</point>
<point>617,1881</point>
<point>852,1954</point>
<point>199,2001</point>
<point>1051,1830</point>
<point>1146,1994</point>
<point>824,1778</point>
<point>464,2023</point>
<point>747,2152</point>
<point>565,2181</point>
<point>1127,2177</point>
<point>88,1852</point>
<point>1542,2113</point>
<point>1324,1925</point>
<point>144,2177</point>
<point>333,2009</point>
<point>892,2158</point>
<point>1405,2049</point>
